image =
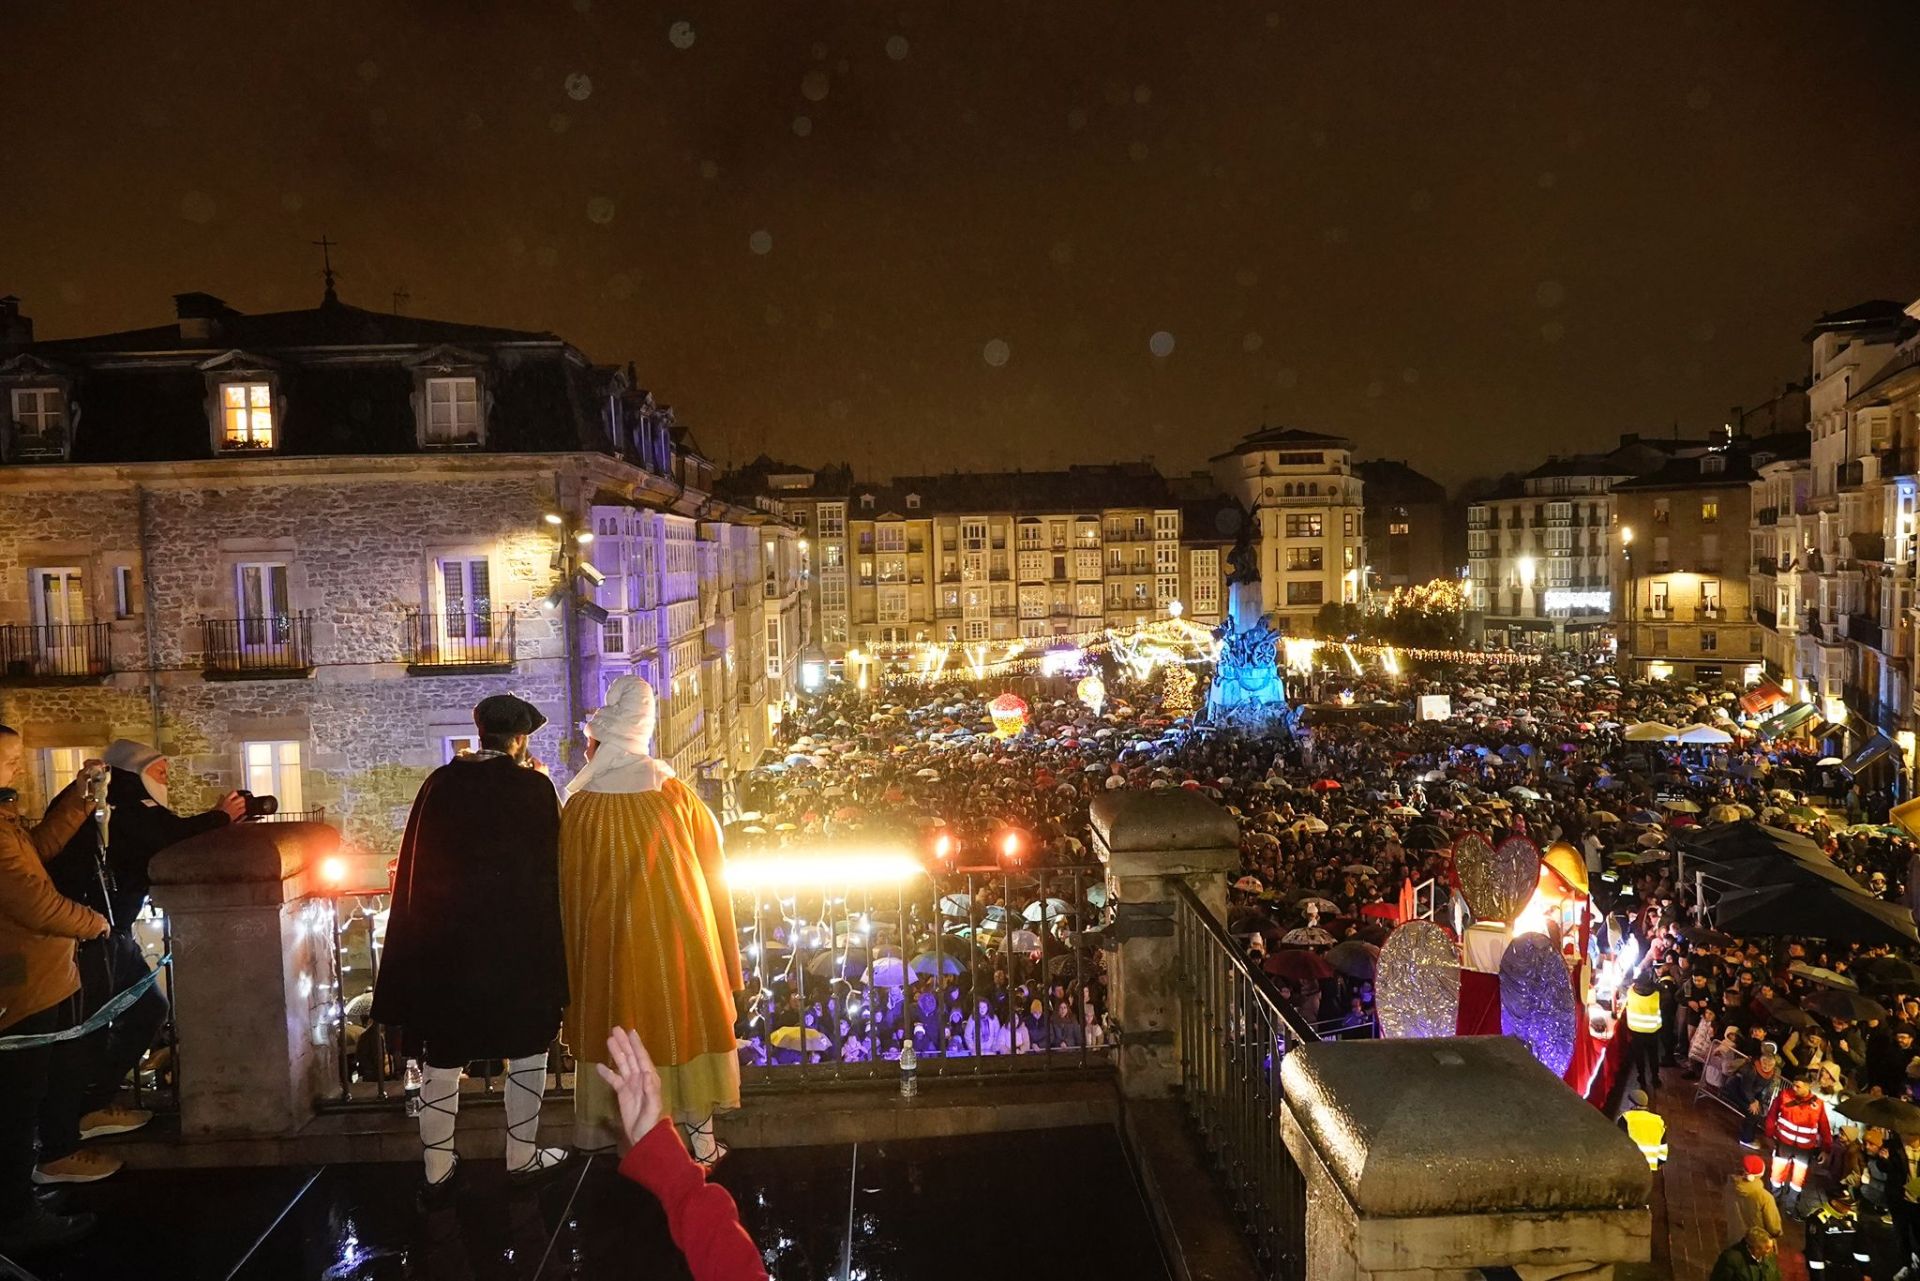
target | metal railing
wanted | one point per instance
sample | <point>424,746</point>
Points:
<point>460,639</point>
<point>55,651</point>
<point>318,814</point>
<point>277,645</point>
<point>1235,1028</point>
<point>889,964</point>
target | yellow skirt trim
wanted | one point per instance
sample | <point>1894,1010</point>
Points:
<point>707,1084</point>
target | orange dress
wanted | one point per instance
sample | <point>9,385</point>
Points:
<point>650,944</point>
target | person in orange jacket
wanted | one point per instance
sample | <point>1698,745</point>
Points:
<point>1797,1124</point>
<point>39,987</point>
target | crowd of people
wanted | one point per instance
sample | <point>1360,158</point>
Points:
<point>1342,812</point>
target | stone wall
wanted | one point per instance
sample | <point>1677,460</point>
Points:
<point>360,551</point>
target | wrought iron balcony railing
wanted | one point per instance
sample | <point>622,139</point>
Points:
<point>469,641</point>
<point>55,652</point>
<point>274,646</point>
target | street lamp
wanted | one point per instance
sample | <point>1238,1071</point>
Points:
<point>1626,552</point>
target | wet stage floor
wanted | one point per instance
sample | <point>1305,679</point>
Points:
<point>1052,1201</point>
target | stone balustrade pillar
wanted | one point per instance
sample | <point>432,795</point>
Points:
<point>1148,842</point>
<point>1429,1160</point>
<point>252,961</point>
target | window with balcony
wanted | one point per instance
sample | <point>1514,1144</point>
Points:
<point>246,415</point>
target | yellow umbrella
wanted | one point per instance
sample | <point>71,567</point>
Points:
<point>1568,864</point>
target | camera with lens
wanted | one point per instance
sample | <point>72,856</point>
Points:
<point>260,806</point>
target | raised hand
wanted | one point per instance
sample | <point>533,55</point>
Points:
<point>635,1082</point>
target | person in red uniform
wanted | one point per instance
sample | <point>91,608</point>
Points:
<point>1797,1124</point>
<point>701,1216</point>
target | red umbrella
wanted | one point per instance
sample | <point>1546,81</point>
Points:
<point>1300,966</point>
<point>1326,785</point>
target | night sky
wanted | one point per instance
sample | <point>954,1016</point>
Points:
<point>977,233</point>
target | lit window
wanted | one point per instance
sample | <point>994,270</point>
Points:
<point>1397,527</point>
<point>273,769</point>
<point>58,765</point>
<point>452,745</point>
<point>39,413</point>
<point>246,416</point>
<point>1709,511</point>
<point>453,411</point>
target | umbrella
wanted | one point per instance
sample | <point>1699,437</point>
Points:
<point>1058,965</point>
<point>1301,967</point>
<point>1890,971</point>
<point>1247,919</point>
<point>1786,1012</point>
<point>1649,732</point>
<point>1097,894</point>
<point>1251,884</point>
<point>888,971</point>
<point>1308,936</point>
<point>1604,816</point>
<point>1681,805</point>
<point>1828,760</point>
<point>1897,1115</point>
<point>1041,909</point>
<point>849,964</point>
<point>1697,734</point>
<point>1023,941</point>
<point>811,1039</point>
<point>1326,785</point>
<point>927,964</point>
<point>1425,836</point>
<point>1310,824</point>
<point>1724,814</point>
<point>1815,910</point>
<point>1361,869</point>
<point>1824,976</point>
<point>1829,1003</point>
<point>1326,907</point>
<point>1701,936</point>
<point>955,904</point>
<point>1354,959</point>
<point>1525,794</point>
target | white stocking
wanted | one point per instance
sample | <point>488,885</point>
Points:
<point>439,1111</point>
<point>526,1084</point>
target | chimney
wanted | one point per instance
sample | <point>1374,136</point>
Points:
<point>16,330</point>
<point>199,316</point>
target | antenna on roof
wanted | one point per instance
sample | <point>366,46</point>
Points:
<point>400,300</point>
<point>326,248</point>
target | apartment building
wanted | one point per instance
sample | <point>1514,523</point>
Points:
<point>1834,538</point>
<point>1406,525</point>
<point>1679,556</point>
<point>1305,502</point>
<point>294,549</point>
<point>1538,556</point>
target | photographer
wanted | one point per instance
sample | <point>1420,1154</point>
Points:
<point>38,987</point>
<point>80,1103</point>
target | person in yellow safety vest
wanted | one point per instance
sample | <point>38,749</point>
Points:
<point>1643,1021</point>
<point>1647,1129</point>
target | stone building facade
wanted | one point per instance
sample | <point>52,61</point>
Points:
<point>319,623</point>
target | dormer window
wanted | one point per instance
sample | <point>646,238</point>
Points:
<point>866,501</point>
<point>246,416</point>
<point>1713,464</point>
<point>453,411</point>
<point>39,423</point>
<point>913,502</point>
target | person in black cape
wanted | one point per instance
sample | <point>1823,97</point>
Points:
<point>474,966</point>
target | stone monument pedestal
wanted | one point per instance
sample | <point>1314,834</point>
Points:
<point>1148,841</point>
<point>252,975</point>
<point>1429,1160</point>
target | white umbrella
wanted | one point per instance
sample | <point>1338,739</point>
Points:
<point>1704,734</point>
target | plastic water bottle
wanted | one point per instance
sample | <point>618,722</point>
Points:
<point>411,1084</point>
<point>909,1071</point>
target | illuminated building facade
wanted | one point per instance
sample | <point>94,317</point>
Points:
<point>1834,537</point>
<point>295,549</point>
<point>1537,547</point>
<point>1305,501</point>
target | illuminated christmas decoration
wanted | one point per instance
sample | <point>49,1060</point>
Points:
<point>1176,691</point>
<point>1247,690</point>
<point>1009,713</point>
<point>1092,692</point>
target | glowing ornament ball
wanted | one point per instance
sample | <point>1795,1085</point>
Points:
<point>1009,714</point>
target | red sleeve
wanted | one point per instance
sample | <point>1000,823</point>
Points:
<point>701,1216</point>
<point>1773,1114</point>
